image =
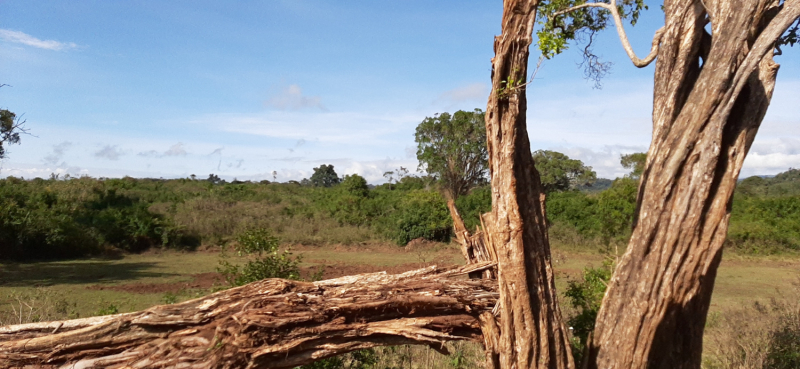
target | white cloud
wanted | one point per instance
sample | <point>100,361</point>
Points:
<point>109,152</point>
<point>292,98</point>
<point>770,155</point>
<point>604,161</point>
<point>26,39</point>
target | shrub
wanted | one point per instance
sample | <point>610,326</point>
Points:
<point>585,297</point>
<point>421,214</point>
<point>263,260</point>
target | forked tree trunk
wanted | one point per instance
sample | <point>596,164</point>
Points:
<point>532,334</point>
<point>704,121</point>
<point>273,323</point>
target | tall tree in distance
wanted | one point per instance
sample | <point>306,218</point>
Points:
<point>453,148</point>
<point>635,163</point>
<point>560,173</point>
<point>324,176</point>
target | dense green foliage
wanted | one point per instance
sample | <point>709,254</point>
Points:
<point>62,218</point>
<point>560,173</point>
<point>324,176</point>
<point>766,214</point>
<point>57,219</point>
<point>453,149</point>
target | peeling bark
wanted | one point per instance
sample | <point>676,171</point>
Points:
<point>532,334</point>
<point>711,92</point>
<point>272,323</point>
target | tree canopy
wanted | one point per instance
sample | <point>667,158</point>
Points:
<point>324,176</point>
<point>560,173</point>
<point>10,128</point>
<point>635,163</point>
<point>453,148</point>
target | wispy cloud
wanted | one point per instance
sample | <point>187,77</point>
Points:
<point>174,150</point>
<point>471,92</point>
<point>319,127</point>
<point>109,152</point>
<point>291,98</point>
<point>58,152</point>
<point>297,145</point>
<point>26,39</point>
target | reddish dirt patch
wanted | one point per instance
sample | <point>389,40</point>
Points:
<point>199,281</point>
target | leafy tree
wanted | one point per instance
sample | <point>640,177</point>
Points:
<point>355,185</point>
<point>635,163</point>
<point>617,206</point>
<point>214,179</point>
<point>560,173</point>
<point>324,176</point>
<point>453,148</point>
<point>10,129</point>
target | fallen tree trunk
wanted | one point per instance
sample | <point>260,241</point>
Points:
<point>273,323</point>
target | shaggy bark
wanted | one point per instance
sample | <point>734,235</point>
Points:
<point>711,92</point>
<point>531,330</point>
<point>272,323</point>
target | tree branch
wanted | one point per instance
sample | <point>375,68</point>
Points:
<point>612,7</point>
<point>273,323</point>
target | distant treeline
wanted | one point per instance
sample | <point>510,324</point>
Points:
<point>57,218</point>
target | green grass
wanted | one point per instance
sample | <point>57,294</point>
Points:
<point>739,281</point>
<point>68,281</point>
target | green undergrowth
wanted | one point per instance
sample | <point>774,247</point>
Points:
<point>76,217</point>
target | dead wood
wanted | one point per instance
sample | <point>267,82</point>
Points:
<point>475,247</point>
<point>273,323</point>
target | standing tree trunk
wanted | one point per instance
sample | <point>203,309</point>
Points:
<point>532,334</point>
<point>705,116</point>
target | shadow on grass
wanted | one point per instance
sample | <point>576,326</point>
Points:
<point>74,272</point>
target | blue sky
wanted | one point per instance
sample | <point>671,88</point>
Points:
<point>245,89</point>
